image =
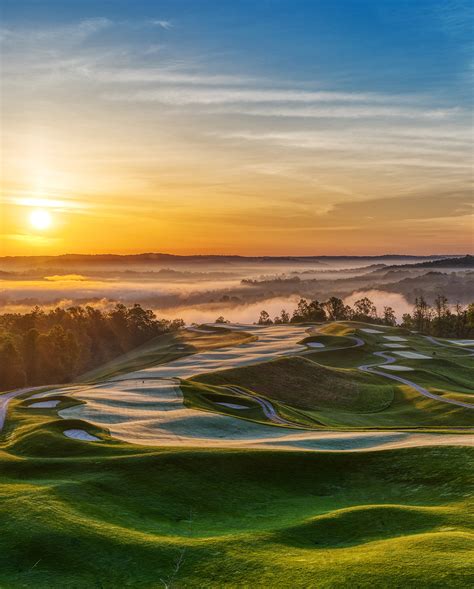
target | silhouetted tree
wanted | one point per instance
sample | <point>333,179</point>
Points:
<point>284,317</point>
<point>12,371</point>
<point>407,321</point>
<point>389,317</point>
<point>264,318</point>
<point>364,310</point>
<point>336,309</point>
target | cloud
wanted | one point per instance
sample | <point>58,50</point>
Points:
<point>210,96</point>
<point>260,102</point>
<point>66,278</point>
<point>166,75</point>
<point>69,34</point>
<point>164,24</point>
<point>43,202</point>
<point>404,208</point>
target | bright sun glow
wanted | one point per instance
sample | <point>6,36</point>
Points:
<point>40,219</point>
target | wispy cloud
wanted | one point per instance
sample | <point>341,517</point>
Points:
<point>164,24</point>
<point>209,96</point>
<point>43,202</point>
<point>67,33</point>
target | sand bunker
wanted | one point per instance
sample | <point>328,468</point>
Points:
<point>397,368</point>
<point>367,330</point>
<point>155,416</point>
<point>44,404</point>
<point>412,355</point>
<point>238,326</point>
<point>146,406</point>
<point>462,342</point>
<point>395,345</point>
<point>80,434</point>
<point>271,342</point>
<point>395,338</point>
<point>315,345</point>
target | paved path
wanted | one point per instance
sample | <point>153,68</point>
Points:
<point>390,360</point>
<point>450,346</point>
<point>268,408</point>
<point>7,397</point>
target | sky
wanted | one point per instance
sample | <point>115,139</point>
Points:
<point>264,127</point>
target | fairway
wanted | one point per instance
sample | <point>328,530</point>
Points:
<point>335,465</point>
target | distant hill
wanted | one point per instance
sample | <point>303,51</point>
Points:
<point>457,262</point>
<point>72,260</point>
<point>463,262</point>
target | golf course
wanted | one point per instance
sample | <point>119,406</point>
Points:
<point>302,455</point>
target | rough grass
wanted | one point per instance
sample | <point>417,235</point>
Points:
<point>108,515</point>
<point>111,515</point>
<point>304,384</point>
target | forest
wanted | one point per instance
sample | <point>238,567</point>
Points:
<point>42,347</point>
<point>440,320</point>
<point>54,347</point>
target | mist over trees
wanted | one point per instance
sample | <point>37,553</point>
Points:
<point>53,347</point>
<point>441,319</point>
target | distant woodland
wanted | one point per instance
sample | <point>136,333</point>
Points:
<point>440,320</point>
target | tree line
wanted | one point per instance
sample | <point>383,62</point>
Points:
<point>441,319</point>
<point>53,347</point>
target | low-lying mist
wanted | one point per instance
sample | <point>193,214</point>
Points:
<point>238,290</point>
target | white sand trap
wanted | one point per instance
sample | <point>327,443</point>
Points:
<point>271,342</point>
<point>395,338</point>
<point>232,405</point>
<point>367,330</point>
<point>156,416</point>
<point>315,345</point>
<point>80,434</point>
<point>462,342</point>
<point>395,345</point>
<point>44,404</point>
<point>412,355</point>
<point>238,326</point>
<point>398,368</point>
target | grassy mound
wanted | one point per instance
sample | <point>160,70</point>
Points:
<point>304,384</point>
<point>113,515</point>
<point>365,523</point>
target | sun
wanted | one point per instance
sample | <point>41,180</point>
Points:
<point>40,219</point>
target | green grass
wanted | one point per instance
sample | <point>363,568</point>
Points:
<point>301,383</point>
<point>110,515</point>
<point>325,389</point>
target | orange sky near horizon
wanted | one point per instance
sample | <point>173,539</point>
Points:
<point>212,160</point>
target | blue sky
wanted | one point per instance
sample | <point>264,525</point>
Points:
<point>311,109</point>
<point>401,45</point>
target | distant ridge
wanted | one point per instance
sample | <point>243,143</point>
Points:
<point>458,262</point>
<point>162,257</point>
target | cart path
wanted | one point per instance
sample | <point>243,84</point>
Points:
<point>372,369</point>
